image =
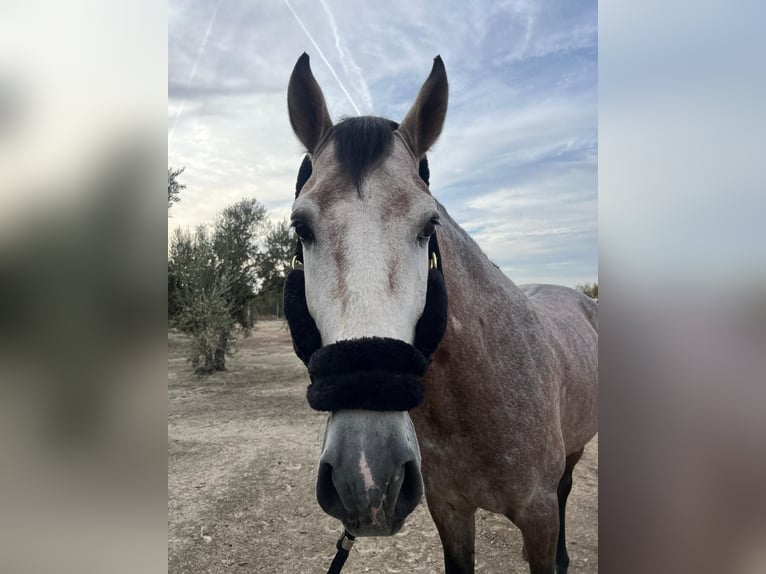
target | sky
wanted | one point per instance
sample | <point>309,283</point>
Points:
<point>516,164</point>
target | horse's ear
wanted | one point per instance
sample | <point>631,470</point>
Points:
<point>423,123</point>
<point>306,106</point>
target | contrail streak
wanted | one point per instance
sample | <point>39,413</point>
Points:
<point>343,57</point>
<point>321,54</point>
<point>193,72</point>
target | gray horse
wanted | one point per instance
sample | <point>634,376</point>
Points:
<point>510,395</point>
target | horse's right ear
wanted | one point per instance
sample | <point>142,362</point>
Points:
<point>423,123</point>
<point>306,106</point>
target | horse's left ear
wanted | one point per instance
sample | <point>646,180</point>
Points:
<point>423,123</point>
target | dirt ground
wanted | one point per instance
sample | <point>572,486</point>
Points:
<point>243,448</point>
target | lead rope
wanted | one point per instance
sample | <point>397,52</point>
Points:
<point>343,545</point>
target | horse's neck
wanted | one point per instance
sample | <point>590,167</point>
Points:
<point>475,285</point>
<point>489,324</point>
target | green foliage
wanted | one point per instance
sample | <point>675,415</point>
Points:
<point>273,263</point>
<point>211,278</point>
<point>591,290</point>
<point>174,187</point>
<point>211,329</point>
<point>199,303</point>
<point>235,243</point>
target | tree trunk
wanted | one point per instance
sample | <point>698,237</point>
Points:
<point>219,357</point>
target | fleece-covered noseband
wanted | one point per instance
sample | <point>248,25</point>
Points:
<point>372,373</point>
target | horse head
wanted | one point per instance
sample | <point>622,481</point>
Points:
<point>368,307</point>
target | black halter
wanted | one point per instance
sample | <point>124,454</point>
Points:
<point>371,373</point>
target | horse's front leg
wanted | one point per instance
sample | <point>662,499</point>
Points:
<point>457,530</point>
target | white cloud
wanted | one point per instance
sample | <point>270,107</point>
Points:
<point>515,164</point>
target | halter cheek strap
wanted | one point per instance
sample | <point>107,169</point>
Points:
<point>374,373</point>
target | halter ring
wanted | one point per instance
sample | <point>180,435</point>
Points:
<point>433,262</point>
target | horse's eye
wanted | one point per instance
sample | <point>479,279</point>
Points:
<point>429,229</point>
<point>303,231</point>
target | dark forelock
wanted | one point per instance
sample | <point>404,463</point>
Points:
<point>360,143</point>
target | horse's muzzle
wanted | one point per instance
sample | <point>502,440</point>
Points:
<point>372,512</point>
<point>369,473</point>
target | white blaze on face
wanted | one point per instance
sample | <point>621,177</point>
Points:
<point>366,269</point>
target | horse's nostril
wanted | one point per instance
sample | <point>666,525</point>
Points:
<point>410,492</point>
<point>327,494</point>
